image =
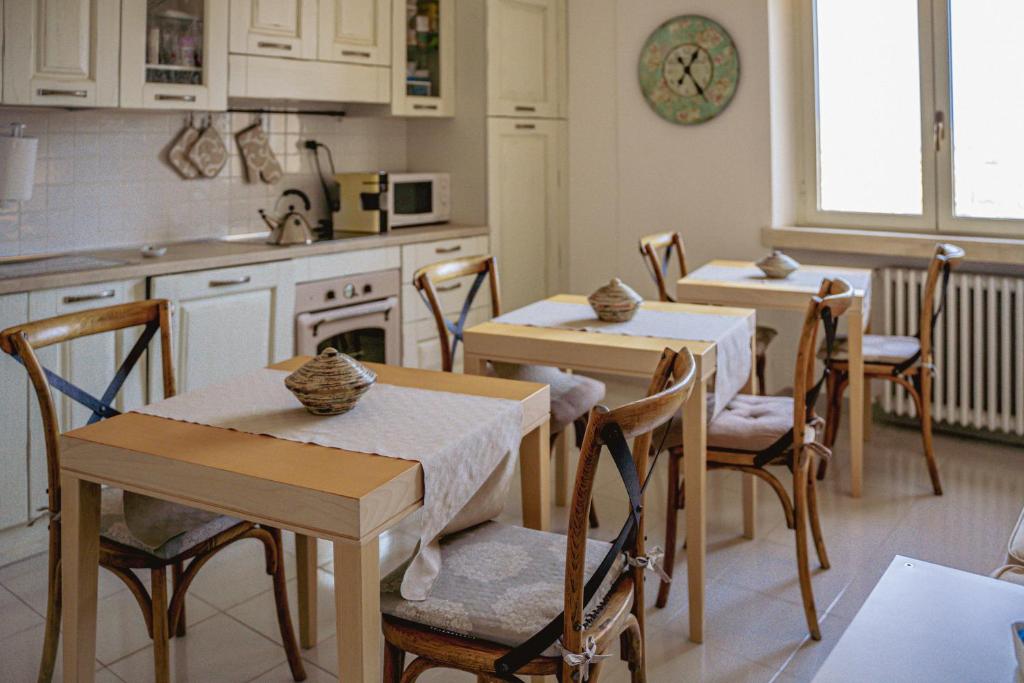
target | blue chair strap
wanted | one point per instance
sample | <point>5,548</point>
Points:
<point>457,328</point>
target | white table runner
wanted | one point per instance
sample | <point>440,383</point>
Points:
<point>468,445</point>
<point>731,334</point>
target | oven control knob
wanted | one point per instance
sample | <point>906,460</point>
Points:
<point>350,291</point>
<point>330,295</point>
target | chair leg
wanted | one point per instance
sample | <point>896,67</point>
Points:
<point>394,662</point>
<point>800,489</point>
<point>761,362</point>
<point>284,615</point>
<point>926,429</point>
<point>637,663</point>
<point>51,637</point>
<point>812,510</point>
<point>161,636</point>
<point>834,394</point>
<point>176,571</point>
<point>671,523</point>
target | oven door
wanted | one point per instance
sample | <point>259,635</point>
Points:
<point>368,332</point>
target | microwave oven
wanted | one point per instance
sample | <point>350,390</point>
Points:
<point>379,201</point>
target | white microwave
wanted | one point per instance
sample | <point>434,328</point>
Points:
<point>419,198</point>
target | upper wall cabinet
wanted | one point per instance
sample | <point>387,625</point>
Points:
<point>274,28</point>
<point>174,54</point>
<point>61,52</point>
<point>357,31</point>
<point>525,57</point>
<point>423,68</point>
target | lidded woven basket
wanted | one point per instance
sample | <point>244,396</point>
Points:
<point>330,384</point>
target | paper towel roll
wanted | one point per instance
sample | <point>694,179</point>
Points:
<point>17,168</point>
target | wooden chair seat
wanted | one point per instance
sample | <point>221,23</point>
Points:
<point>571,395</point>
<point>879,349</point>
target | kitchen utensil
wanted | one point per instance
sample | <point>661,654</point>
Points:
<point>293,226</point>
<point>260,162</point>
<point>209,153</point>
<point>616,302</point>
<point>178,153</point>
<point>330,384</point>
<point>777,265</point>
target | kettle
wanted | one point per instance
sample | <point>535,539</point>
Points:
<point>291,228</point>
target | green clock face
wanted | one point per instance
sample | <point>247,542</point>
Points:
<point>689,70</point>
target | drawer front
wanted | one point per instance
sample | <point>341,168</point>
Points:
<point>451,294</point>
<point>421,347</point>
<point>415,256</point>
<point>315,268</point>
<point>216,282</point>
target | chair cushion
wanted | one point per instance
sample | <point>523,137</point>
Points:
<point>751,423</point>
<point>572,396</point>
<point>1015,548</point>
<point>498,583</point>
<point>878,348</point>
<point>762,338</point>
<point>171,529</point>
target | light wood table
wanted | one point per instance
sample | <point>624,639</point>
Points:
<point>625,355</point>
<point>926,622</point>
<point>346,497</point>
<point>748,287</point>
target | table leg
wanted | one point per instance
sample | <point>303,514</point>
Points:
<point>695,479</point>
<point>856,335</point>
<point>80,556</point>
<point>535,473</point>
<point>564,472</point>
<point>357,604</point>
<point>473,365</point>
<point>749,480</point>
<point>305,567</point>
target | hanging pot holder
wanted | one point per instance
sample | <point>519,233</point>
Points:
<point>260,162</point>
<point>178,154</point>
<point>209,153</point>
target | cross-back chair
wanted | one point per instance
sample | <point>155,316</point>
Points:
<point>495,610</point>
<point>659,263</point>
<point>572,396</point>
<point>177,537</point>
<point>907,361</point>
<point>755,432</point>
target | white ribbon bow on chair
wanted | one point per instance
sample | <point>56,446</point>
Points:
<point>652,561</point>
<point>582,660</point>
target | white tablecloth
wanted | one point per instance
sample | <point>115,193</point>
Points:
<point>468,445</point>
<point>731,335</point>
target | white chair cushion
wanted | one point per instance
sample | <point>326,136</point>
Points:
<point>751,423</point>
<point>171,529</point>
<point>1015,548</point>
<point>498,583</point>
<point>1011,573</point>
<point>878,348</point>
<point>572,396</point>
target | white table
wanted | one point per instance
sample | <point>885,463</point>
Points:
<point>926,622</point>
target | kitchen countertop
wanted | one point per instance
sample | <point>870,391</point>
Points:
<point>223,253</point>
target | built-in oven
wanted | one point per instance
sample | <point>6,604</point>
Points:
<point>357,315</point>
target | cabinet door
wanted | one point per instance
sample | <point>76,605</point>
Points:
<point>228,321</point>
<point>174,54</point>
<point>13,422</point>
<point>357,31</point>
<point>61,52</point>
<point>423,66</point>
<point>275,28</point>
<point>525,48</point>
<point>525,166</point>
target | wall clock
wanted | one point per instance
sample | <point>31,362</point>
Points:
<point>689,69</point>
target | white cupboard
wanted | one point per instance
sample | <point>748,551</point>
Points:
<point>357,31</point>
<point>61,52</point>
<point>274,28</point>
<point>227,321</point>
<point>423,65</point>
<point>525,57</point>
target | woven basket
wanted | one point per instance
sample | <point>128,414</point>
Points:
<point>330,384</point>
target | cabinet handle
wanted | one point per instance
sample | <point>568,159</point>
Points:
<point>79,298</point>
<point>425,106</point>
<point>244,279</point>
<point>176,98</point>
<point>448,250</point>
<point>449,288</point>
<point>526,108</point>
<point>274,46</point>
<point>50,92</point>
<point>355,53</point>
<point>525,126</point>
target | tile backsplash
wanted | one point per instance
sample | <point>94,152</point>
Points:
<point>102,177</point>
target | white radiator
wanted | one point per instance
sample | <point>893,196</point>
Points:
<point>979,349</point>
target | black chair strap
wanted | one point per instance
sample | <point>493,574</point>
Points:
<point>902,367</point>
<point>457,328</point>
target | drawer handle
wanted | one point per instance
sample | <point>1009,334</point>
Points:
<point>244,279</point>
<point>50,92</point>
<point>526,108</point>
<point>176,98</point>
<point>448,250</point>
<point>274,46</point>
<point>432,107</point>
<point>355,53</point>
<point>79,298</point>
<point>450,288</point>
<point>525,126</point>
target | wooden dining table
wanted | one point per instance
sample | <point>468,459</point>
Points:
<point>631,356</point>
<point>346,497</point>
<point>741,283</point>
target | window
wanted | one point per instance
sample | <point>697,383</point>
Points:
<point>917,106</point>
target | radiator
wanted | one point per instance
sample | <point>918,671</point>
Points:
<point>979,349</point>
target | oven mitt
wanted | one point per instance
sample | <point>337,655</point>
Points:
<point>259,159</point>
<point>209,153</point>
<point>178,154</point>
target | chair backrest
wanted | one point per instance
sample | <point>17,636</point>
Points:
<point>429,281</point>
<point>658,263</point>
<point>945,258</point>
<point>670,386</point>
<point>22,341</point>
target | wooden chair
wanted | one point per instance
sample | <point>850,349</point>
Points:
<point>195,535</point>
<point>659,264</point>
<point>572,396</point>
<point>753,432</point>
<point>496,603</point>
<point>907,361</point>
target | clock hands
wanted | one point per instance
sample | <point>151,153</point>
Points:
<point>686,72</point>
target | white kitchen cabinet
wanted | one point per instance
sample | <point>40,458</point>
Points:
<point>357,31</point>
<point>526,206</point>
<point>274,28</point>
<point>525,57</point>
<point>423,65</point>
<point>314,81</point>
<point>61,52</point>
<point>174,54</point>
<point>227,321</point>
<point>14,507</point>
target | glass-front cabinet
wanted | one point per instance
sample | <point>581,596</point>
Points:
<point>423,68</point>
<point>174,54</point>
